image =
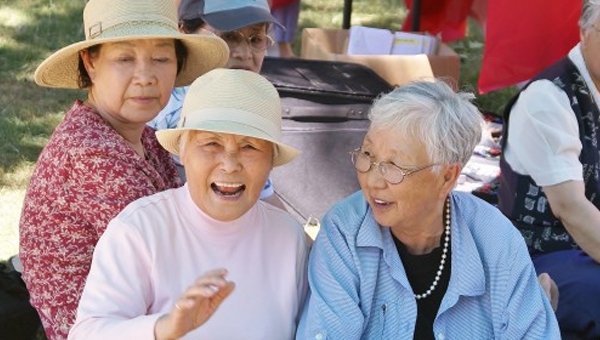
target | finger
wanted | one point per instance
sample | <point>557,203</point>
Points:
<point>221,295</point>
<point>550,289</point>
<point>544,280</point>
<point>213,277</point>
<point>219,272</point>
<point>193,295</point>
<point>224,292</point>
<point>554,295</point>
<point>206,288</point>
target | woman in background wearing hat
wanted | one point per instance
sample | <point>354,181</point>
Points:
<point>241,263</point>
<point>102,156</point>
<point>244,25</point>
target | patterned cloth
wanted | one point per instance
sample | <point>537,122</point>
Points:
<point>359,288</point>
<point>86,175</point>
<point>168,118</point>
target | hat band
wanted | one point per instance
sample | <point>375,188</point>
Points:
<point>96,31</point>
<point>194,119</point>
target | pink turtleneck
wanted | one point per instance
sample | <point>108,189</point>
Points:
<point>157,246</point>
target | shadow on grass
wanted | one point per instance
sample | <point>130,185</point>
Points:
<point>29,113</point>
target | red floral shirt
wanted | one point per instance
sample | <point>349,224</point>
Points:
<point>85,176</point>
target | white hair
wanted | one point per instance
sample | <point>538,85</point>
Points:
<point>446,122</point>
<point>590,12</point>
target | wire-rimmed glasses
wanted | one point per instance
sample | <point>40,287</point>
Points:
<point>391,173</point>
<point>258,41</point>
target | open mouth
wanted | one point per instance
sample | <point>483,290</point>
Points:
<point>228,190</point>
<point>381,203</point>
<point>241,67</point>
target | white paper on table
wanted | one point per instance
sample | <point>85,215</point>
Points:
<point>369,40</point>
<point>407,43</point>
<point>430,44</point>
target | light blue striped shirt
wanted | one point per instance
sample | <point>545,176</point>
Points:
<point>359,289</point>
<point>168,118</point>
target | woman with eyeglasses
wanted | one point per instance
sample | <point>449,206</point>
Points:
<point>408,258</point>
<point>244,25</point>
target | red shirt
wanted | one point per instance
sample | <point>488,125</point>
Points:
<point>85,176</point>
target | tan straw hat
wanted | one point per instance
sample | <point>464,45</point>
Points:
<point>121,20</point>
<point>232,101</point>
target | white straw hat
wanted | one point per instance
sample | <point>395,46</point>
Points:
<point>122,20</point>
<point>231,101</point>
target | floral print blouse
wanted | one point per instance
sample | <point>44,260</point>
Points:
<point>84,177</point>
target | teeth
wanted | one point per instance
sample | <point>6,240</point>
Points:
<point>228,185</point>
<point>379,201</point>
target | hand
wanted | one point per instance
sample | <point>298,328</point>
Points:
<point>195,306</point>
<point>550,288</point>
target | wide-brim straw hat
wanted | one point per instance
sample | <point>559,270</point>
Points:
<point>108,21</point>
<point>233,101</point>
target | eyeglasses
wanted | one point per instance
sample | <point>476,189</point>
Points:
<point>391,173</point>
<point>258,42</point>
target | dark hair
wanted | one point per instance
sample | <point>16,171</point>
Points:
<point>181,53</point>
<point>191,25</point>
<point>84,77</point>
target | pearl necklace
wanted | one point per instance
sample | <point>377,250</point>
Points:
<point>438,275</point>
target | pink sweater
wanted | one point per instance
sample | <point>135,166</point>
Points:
<point>153,250</point>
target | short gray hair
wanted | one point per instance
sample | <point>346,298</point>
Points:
<point>446,122</point>
<point>590,12</point>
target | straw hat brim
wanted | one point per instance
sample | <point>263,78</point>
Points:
<point>205,52</point>
<point>169,138</point>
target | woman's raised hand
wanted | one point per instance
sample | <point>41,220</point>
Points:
<point>195,306</point>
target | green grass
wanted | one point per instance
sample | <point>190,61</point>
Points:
<point>30,30</point>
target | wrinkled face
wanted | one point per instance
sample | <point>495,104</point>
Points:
<point>413,199</point>
<point>226,172</point>
<point>131,80</point>
<point>241,55</point>
<point>590,47</point>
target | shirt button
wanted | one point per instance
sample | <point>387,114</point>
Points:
<point>441,336</point>
<point>319,336</point>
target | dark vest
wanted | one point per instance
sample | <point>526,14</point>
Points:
<point>521,199</point>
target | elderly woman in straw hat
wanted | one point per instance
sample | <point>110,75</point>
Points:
<point>244,25</point>
<point>102,156</point>
<point>240,262</point>
<point>408,258</point>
